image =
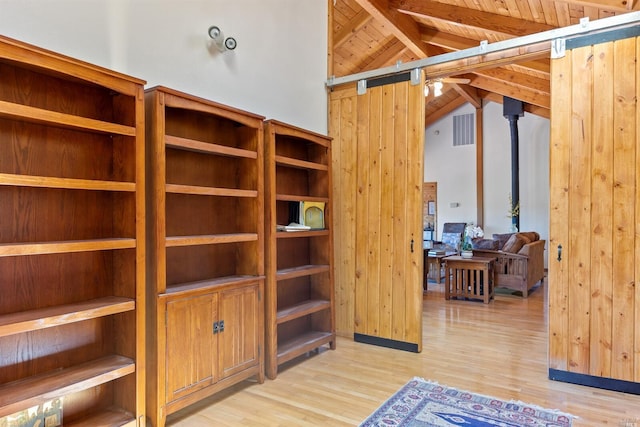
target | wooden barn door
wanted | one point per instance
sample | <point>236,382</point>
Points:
<point>594,299</point>
<point>378,146</point>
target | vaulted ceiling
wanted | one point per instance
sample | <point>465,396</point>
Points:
<point>372,34</point>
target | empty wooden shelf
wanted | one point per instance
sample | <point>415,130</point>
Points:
<point>72,244</point>
<point>299,264</point>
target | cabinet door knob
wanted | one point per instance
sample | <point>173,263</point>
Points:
<point>411,245</point>
<point>559,252</point>
<point>221,327</point>
<point>216,327</point>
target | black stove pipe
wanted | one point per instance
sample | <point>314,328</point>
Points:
<point>512,110</point>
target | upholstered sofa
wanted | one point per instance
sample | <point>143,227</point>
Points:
<point>520,259</point>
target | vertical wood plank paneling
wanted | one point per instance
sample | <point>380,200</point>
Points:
<point>347,220</point>
<point>362,212</point>
<point>380,143</point>
<point>636,322</point>
<point>386,210</point>
<point>415,167</point>
<point>623,213</point>
<point>371,227</point>
<point>342,118</point>
<point>334,124</point>
<point>559,159</point>
<point>594,301</point>
<point>580,211</point>
<point>401,251</point>
<point>601,213</point>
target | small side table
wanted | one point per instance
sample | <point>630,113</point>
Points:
<point>471,278</point>
<point>433,266</point>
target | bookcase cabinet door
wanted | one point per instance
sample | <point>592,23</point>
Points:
<point>191,344</point>
<point>239,310</point>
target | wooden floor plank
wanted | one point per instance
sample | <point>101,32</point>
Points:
<point>499,349</point>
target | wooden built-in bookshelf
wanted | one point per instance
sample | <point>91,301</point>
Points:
<point>299,264</point>
<point>72,244</point>
<point>206,263</point>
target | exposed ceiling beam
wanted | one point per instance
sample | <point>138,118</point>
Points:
<point>525,95</point>
<point>434,116</point>
<point>462,16</point>
<point>491,60</point>
<point>470,94</point>
<point>354,24</point>
<point>533,46</point>
<point>400,25</point>
<point>517,79</point>
<point>533,109</point>
<point>452,42</point>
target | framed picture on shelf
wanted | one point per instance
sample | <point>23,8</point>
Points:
<point>312,214</point>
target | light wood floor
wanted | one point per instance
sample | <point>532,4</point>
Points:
<point>499,349</point>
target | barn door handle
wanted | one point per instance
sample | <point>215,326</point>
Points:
<point>411,245</point>
<point>559,252</point>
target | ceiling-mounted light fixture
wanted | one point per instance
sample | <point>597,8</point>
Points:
<point>438,84</point>
<point>437,88</point>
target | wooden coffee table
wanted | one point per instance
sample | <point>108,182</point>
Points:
<point>470,278</point>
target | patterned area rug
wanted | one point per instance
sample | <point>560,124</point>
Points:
<point>424,403</point>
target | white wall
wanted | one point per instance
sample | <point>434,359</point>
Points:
<point>453,168</point>
<point>278,69</point>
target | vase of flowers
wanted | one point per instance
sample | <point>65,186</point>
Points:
<point>470,232</point>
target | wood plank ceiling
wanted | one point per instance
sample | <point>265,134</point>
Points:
<point>371,34</point>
